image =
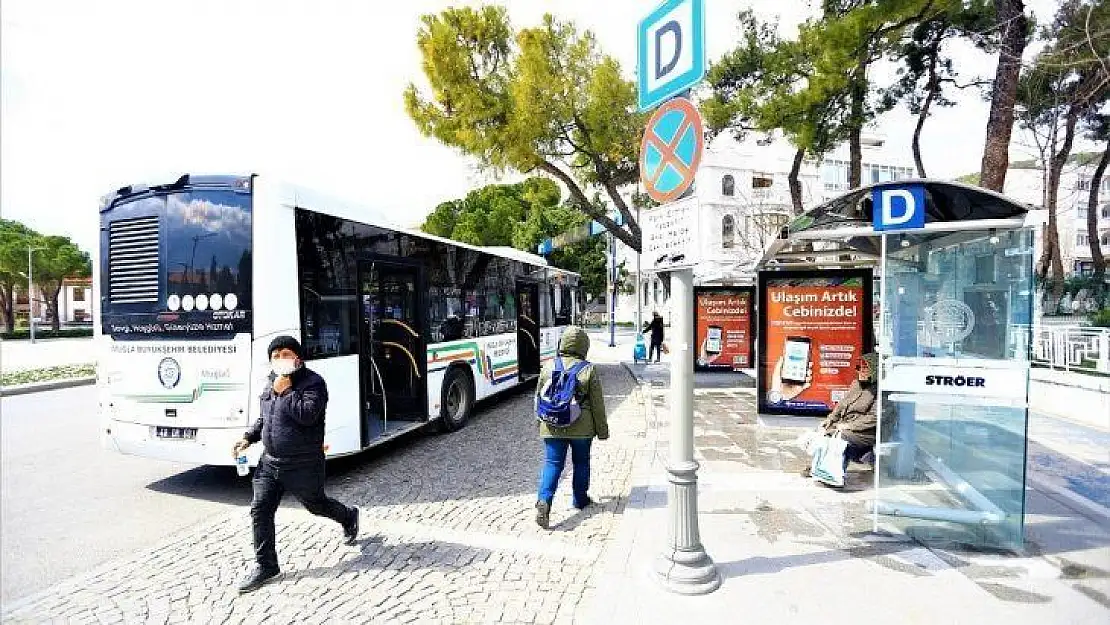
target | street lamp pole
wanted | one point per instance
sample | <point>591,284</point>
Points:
<point>30,285</point>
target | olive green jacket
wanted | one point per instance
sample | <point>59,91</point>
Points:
<point>573,347</point>
<point>855,414</point>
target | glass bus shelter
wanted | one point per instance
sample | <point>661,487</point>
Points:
<point>954,304</point>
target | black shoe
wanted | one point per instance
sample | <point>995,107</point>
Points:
<point>257,578</point>
<point>350,530</point>
<point>543,514</point>
<point>589,502</point>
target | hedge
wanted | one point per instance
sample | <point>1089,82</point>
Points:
<point>42,333</point>
<point>47,374</point>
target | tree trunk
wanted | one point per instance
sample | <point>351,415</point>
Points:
<point>996,151</point>
<point>795,183</point>
<point>7,303</point>
<point>931,90</point>
<point>855,126</point>
<point>622,206</point>
<point>52,306</point>
<point>1052,234</point>
<point>1092,215</point>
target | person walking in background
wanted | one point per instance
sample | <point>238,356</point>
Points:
<point>569,391</point>
<point>291,428</point>
<point>655,328</point>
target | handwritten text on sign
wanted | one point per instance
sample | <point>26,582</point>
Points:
<point>671,230</point>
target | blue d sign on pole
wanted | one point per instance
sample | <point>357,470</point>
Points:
<point>670,51</point>
<point>898,207</point>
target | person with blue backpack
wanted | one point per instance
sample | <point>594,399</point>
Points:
<point>570,408</point>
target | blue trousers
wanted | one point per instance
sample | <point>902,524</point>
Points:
<point>555,458</point>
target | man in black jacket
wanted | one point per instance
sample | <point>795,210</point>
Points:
<point>291,428</point>
<point>656,330</point>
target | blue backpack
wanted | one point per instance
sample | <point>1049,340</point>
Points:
<point>557,402</point>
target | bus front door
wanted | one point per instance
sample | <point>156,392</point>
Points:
<point>527,329</point>
<point>393,353</point>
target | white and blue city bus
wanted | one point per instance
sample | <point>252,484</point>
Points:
<point>196,277</point>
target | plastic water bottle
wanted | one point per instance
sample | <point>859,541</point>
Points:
<point>241,465</point>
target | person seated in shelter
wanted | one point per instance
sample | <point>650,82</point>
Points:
<point>854,416</point>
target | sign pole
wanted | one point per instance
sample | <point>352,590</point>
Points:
<point>880,348</point>
<point>670,153</point>
<point>613,290</point>
<point>684,567</point>
<point>639,280</point>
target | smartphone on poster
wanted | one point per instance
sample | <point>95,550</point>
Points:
<point>713,340</point>
<point>795,359</point>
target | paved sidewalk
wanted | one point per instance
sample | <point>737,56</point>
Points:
<point>457,544</point>
<point>449,537</point>
<point>792,551</point>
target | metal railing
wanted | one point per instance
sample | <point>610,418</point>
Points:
<point>1072,348</point>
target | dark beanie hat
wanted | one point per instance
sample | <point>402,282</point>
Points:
<point>285,342</point>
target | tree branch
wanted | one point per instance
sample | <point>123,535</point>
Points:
<point>583,203</point>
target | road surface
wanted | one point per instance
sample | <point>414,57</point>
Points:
<point>68,505</point>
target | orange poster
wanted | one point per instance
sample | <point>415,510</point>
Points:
<point>723,328</point>
<point>815,327</point>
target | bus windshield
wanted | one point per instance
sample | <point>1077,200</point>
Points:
<point>177,265</point>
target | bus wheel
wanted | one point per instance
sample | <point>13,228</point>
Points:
<point>457,400</point>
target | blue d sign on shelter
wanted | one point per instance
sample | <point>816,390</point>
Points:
<point>670,51</point>
<point>898,207</point>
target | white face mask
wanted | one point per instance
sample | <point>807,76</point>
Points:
<point>283,366</point>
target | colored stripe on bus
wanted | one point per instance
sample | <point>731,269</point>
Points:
<point>444,367</point>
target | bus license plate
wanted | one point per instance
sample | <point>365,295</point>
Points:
<point>177,433</point>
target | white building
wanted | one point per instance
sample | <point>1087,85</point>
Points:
<point>744,198</point>
<point>74,303</point>
<point>1025,182</point>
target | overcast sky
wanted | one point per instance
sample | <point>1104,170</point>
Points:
<point>96,95</point>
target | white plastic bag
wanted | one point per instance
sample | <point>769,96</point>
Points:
<point>809,441</point>
<point>828,460</point>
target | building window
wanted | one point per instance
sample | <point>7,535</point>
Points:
<point>1104,239</point>
<point>78,295</point>
<point>1083,183</point>
<point>1105,212</point>
<point>835,175</point>
<point>1081,239</point>
<point>762,181</point>
<point>728,231</point>
<point>728,185</point>
<point>1081,213</point>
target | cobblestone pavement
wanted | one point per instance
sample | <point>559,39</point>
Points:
<point>448,535</point>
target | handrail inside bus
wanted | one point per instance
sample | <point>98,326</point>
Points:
<point>385,402</point>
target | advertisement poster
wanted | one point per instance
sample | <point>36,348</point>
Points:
<point>723,328</point>
<point>815,327</point>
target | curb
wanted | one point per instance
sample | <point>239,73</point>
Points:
<point>1091,509</point>
<point>632,373</point>
<point>52,385</point>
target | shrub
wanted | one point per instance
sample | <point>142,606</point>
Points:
<point>66,333</point>
<point>1101,318</point>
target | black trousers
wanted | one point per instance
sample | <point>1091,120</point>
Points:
<point>656,348</point>
<point>303,481</point>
